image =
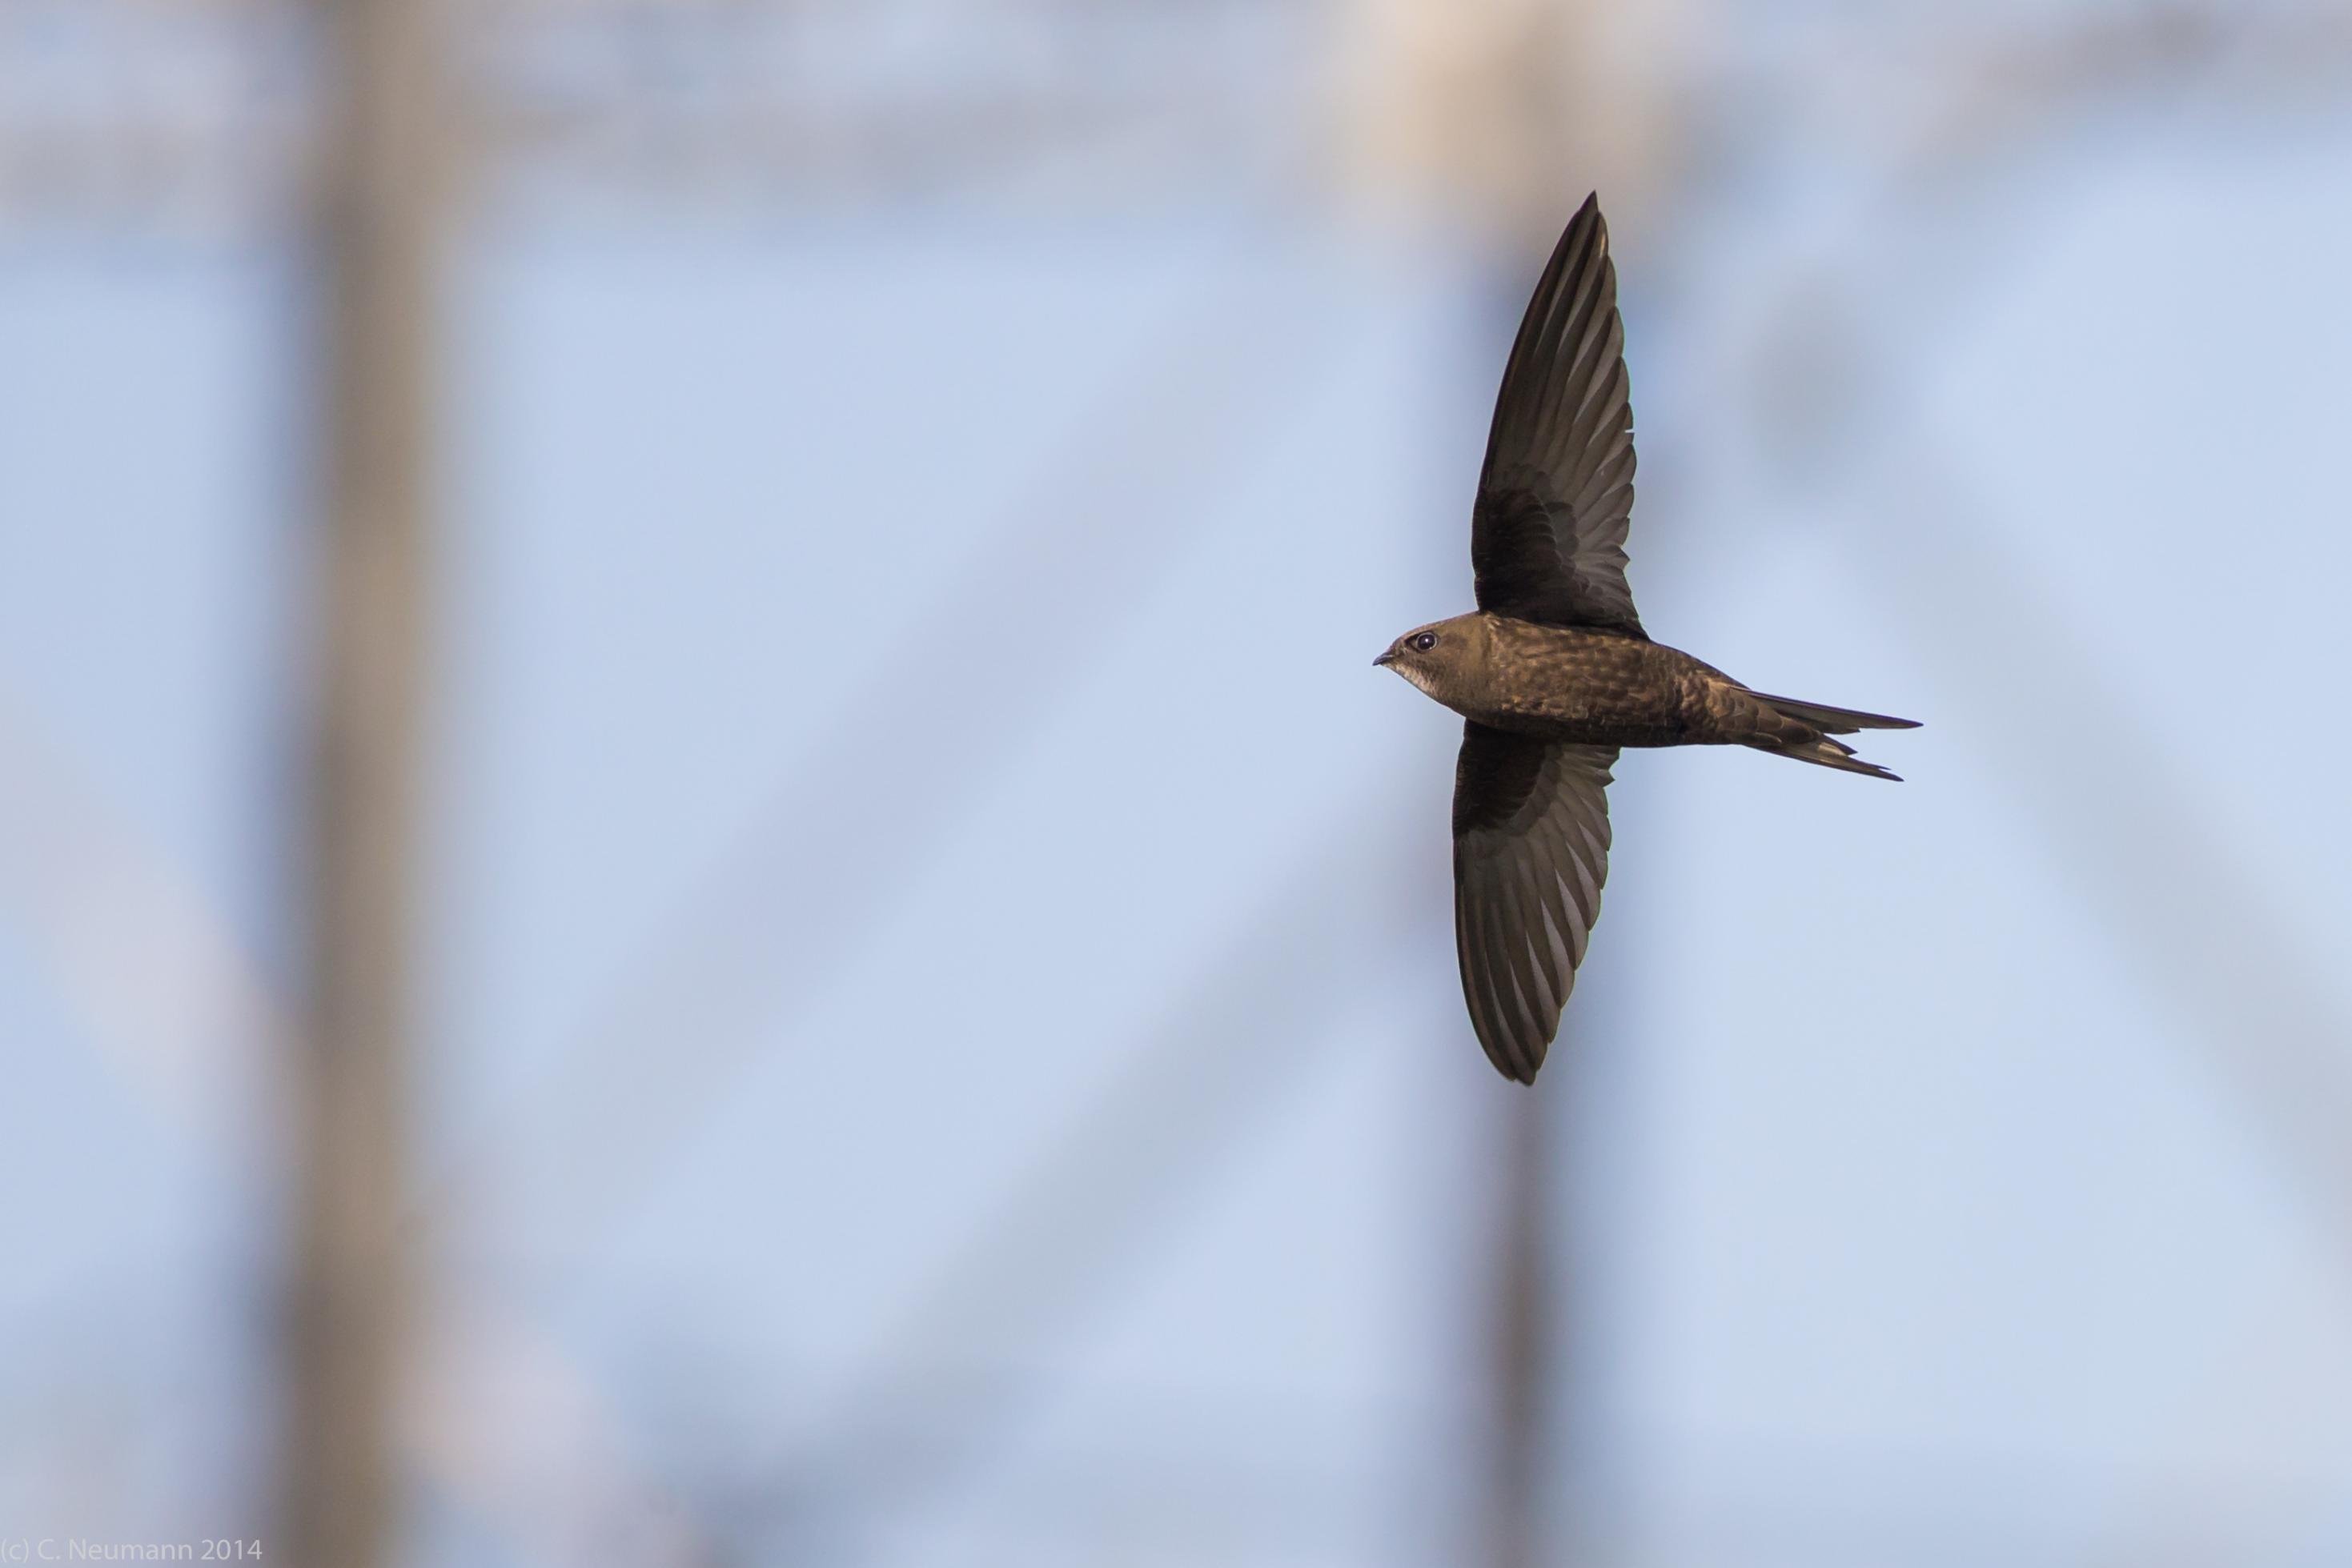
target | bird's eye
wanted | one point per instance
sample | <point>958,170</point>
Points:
<point>1426,642</point>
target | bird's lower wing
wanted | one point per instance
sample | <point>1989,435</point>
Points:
<point>1530,854</point>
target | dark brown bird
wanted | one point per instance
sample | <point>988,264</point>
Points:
<point>1553,670</point>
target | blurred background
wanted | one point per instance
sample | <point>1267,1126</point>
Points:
<point>699,865</point>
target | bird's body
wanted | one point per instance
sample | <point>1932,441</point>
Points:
<point>1566,682</point>
<point>1553,670</point>
<point>1613,688</point>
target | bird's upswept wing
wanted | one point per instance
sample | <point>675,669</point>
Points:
<point>1530,853</point>
<point>1547,531</point>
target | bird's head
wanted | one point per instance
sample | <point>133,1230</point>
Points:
<point>1438,657</point>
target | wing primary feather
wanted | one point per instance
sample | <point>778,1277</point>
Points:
<point>1526,903</point>
<point>1512,411</point>
<point>1465,948</point>
<point>1507,955</point>
<point>1584,373</point>
<point>1527,390</point>
<point>1570,361</point>
<point>1552,985</point>
<point>1563,959</point>
<point>1600,361</point>
<point>1486,1013</point>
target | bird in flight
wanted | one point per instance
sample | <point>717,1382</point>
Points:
<point>1553,672</point>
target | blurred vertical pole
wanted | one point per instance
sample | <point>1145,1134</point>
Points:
<point>348,1307</point>
<point>1526,1322</point>
<point>1496,116</point>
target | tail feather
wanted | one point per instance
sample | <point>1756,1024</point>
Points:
<point>1828,753</point>
<point>1832,720</point>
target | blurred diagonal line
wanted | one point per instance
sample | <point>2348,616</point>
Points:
<point>850,829</point>
<point>171,998</point>
<point>1204,1075</point>
<point>2273,1033</point>
<point>515,1426</point>
<point>2139,848</point>
<point>2263,1381</point>
<point>2144,854</point>
<point>2134,840</point>
<point>140,958</point>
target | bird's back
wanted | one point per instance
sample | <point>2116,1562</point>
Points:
<point>1568,683</point>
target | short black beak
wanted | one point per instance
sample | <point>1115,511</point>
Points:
<point>1387,658</point>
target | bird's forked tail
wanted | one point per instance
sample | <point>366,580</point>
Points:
<point>1823,722</point>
